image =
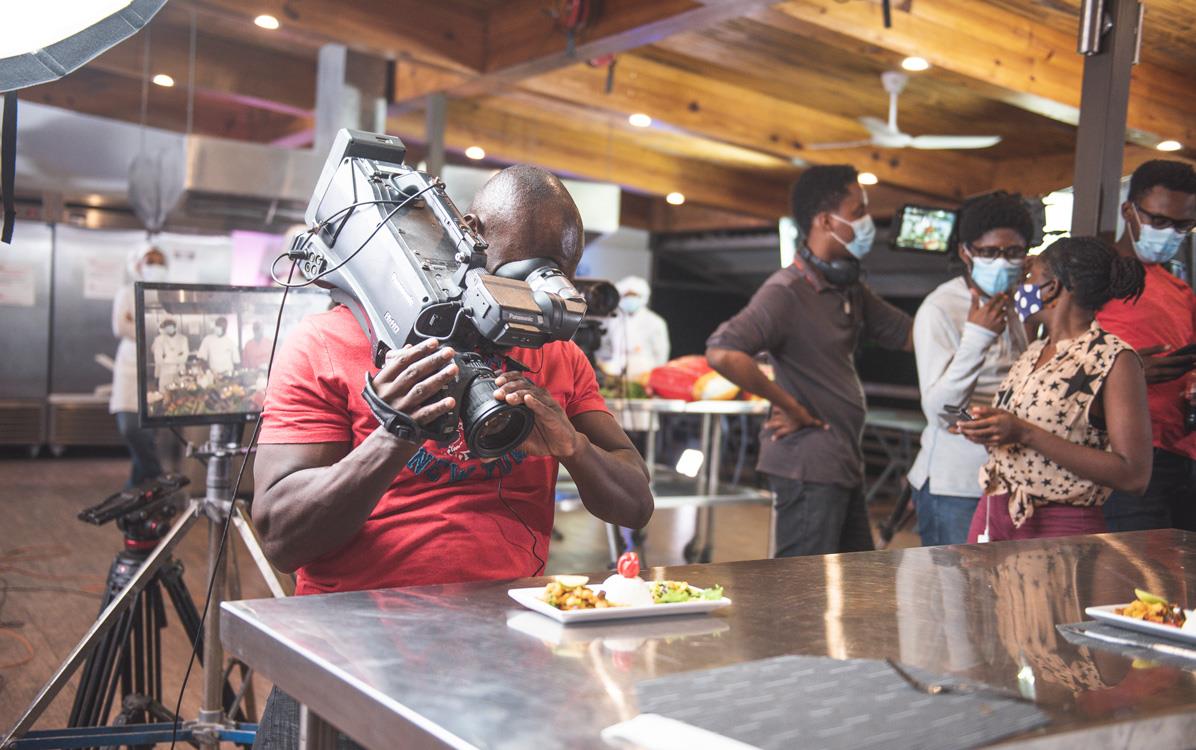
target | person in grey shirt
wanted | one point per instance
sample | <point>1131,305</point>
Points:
<point>966,337</point>
<point>809,318</point>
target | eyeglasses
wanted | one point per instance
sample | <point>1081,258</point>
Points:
<point>1159,221</point>
<point>1011,252</point>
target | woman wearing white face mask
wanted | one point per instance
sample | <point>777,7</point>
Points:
<point>148,264</point>
<point>966,337</point>
<point>637,339</point>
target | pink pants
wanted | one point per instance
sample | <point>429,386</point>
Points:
<point>1047,521</point>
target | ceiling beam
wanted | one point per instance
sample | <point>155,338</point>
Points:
<point>97,92</point>
<point>511,132</point>
<point>443,32</point>
<point>255,76</point>
<point>1013,58</point>
<point>523,40</point>
<point>1039,175</point>
<point>716,110</point>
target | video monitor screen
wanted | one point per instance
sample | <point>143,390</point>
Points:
<point>924,229</point>
<point>202,350</point>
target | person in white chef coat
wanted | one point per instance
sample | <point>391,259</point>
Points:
<point>220,349</point>
<point>170,350</point>
<point>146,264</point>
<point>637,339</point>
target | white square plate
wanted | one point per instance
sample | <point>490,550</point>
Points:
<point>1108,614</point>
<point>530,598</point>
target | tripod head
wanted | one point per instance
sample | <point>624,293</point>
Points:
<point>142,513</point>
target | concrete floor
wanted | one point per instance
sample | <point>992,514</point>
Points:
<point>53,568</point>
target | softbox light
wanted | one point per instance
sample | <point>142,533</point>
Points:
<point>43,40</point>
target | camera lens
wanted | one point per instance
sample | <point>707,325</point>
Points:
<point>492,428</point>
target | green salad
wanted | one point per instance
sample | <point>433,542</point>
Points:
<point>676,592</point>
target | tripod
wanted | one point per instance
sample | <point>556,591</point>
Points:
<point>124,642</point>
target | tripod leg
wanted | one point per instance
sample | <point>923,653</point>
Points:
<point>105,622</point>
<point>244,525</point>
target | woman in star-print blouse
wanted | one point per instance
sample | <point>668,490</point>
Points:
<point>1070,422</point>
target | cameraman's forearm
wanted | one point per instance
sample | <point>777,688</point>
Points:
<point>613,484</point>
<point>311,512</point>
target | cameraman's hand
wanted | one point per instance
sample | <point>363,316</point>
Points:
<point>414,374</point>
<point>553,435</point>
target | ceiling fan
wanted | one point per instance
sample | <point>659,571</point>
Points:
<point>887,135</point>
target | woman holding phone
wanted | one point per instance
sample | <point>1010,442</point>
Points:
<point>966,337</point>
<point>1070,422</point>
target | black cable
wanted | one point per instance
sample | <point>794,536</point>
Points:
<point>311,232</point>
<point>532,534</point>
<point>224,534</point>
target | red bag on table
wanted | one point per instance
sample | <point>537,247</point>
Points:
<point>690,378</point>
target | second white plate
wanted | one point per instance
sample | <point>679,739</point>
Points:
<point>1108,614</point>
<point>530,598</point>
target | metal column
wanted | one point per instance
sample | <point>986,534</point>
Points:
<point>436,121</point>
<point>1104,101</point>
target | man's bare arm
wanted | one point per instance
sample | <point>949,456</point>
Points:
<point>311,499</point>
<point>609,473</point>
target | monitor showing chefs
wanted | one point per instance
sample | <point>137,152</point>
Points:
<point>206,351</point>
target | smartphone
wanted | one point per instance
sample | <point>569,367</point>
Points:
<point>957,414</point>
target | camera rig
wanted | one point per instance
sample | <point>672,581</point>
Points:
<point>400,256</point>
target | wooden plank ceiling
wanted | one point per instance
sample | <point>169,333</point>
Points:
<point>741,92</point>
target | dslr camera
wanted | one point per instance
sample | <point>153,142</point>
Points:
<point>397,253</point>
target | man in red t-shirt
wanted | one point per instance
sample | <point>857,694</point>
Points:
<point>1160,211</point>
<point>349,506</point>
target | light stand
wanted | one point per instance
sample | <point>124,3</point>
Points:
<point>212,725</point>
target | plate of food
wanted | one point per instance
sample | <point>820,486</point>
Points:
<point>1151,614</point>
<point>570,599</point>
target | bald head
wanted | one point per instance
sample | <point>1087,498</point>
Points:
<point>525,212</point>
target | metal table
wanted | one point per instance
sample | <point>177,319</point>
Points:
<point>708,490</point>
<point>461,666</point>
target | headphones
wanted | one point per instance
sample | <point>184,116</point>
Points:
<point>839,272</point>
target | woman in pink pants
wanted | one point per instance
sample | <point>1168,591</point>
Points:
<point>1070,422</point>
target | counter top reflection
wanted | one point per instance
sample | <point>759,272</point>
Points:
<point>463,666</point>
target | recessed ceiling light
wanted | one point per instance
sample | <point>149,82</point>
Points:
<point>1169,146</point>
<point>867,178</point>
<point>163,80</point>
<point>639,120</point>
<point>915,64</point>
<point>477,153</point>
<point>675,199</point>
<point>266,21</point>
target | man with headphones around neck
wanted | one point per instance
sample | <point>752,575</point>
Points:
<point>809,318</point>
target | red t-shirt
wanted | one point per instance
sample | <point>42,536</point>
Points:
<point>1164,315</point>
<point>441,520</point>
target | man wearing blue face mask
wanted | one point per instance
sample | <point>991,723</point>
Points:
<point>1159,214</point>
<point>966,337</point>
<point>809,318</point>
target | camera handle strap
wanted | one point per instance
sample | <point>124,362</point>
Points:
<point>392,420</point>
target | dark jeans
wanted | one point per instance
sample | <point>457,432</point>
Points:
<point>943,519</point>
<point>819,519</point>
<point>279,727</point>
<point>141,448</point>
<point>1168,501</point>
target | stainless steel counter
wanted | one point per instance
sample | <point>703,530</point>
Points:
<point>462,666</point>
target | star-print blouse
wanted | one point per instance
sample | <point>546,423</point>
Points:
<point>1056,397</point>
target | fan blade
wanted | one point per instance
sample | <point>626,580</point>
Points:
<point>835,145</point>
<point>953,142</point>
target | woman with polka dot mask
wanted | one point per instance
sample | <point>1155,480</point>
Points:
<point>1069,423</point>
